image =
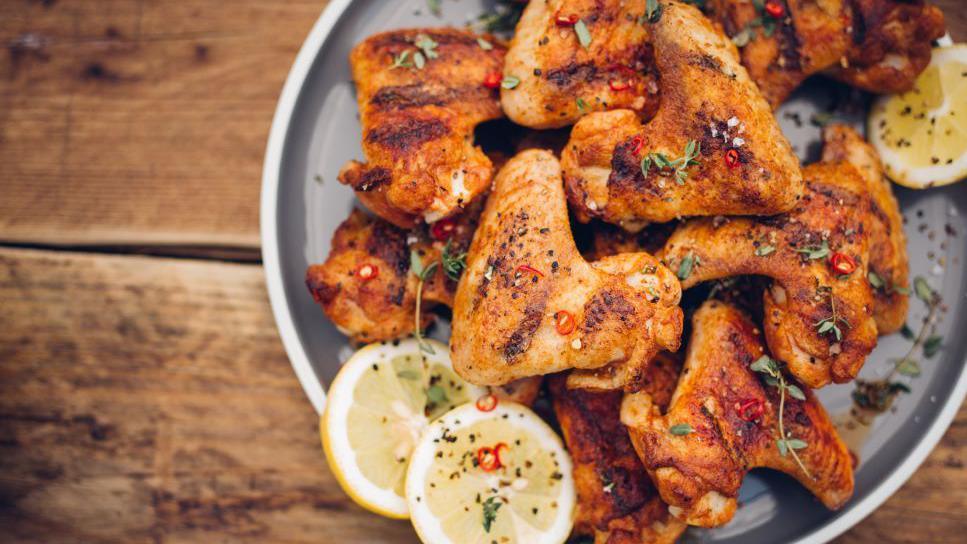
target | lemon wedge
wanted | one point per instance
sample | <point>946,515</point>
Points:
<point>490,476</point>
<point>379,405</point>
<point>921,135</point>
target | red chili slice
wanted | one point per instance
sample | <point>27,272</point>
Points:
<point>564,322</point>
<point>636,144</point>
<point>732,158</point>
<point>842,263</point>
<point>775,9</point>
<point>492,80</point>
<point>442,230</point>
<point>566,20</point>
<point>367,271</point>
<point>487,459</point>
<point>751,410</point>
<point>619,85</point>
<point>531,269</point>
<point>487,403</point>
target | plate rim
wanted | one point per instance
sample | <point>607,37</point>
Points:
<point>312,383</point>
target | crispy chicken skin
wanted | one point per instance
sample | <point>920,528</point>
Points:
<point>382,307</point>
<point>523,268</point>
<point>877,45</point>
<point>617,503</point>
<point>418,123</point>
<point>806,292</point>
<point>708,98</point>
<point>616,70</point>
<point>889,265</point>
<point>891,43</point>
<point>699,473</point>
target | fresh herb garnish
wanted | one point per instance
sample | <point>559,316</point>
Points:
<point>764,250</point>
<point>583,34</point>
<point>815,252</point>
<point>688,262</point>
<point>490,507</point>
<point>402,60</point>
<point>767,23</point>
<point>422,273</point>
<point>774,377</point>
<point>681,429</point>
<point>879,395</point>
<point>653,11</point>
<point>679,165</point>
<point>484,44</point>
<point>582,105</point>
<point>436,395</point>
<point>427,46</point>
<point>875,280</point>
<point>830,325</point>
<point>453,264</point>
<point>509,82</point>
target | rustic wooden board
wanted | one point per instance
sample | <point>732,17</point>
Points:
<point>143,123</point>
<point>147,399</point>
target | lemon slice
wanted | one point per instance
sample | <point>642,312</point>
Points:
<point>921,135</point>
<point>381,401</point>
<point>458,492</point>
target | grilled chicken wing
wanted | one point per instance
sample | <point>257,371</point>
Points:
<point>418,118</point>
<point>732,416</point>
<point>877,45</point>
<point>617,503</point>
<point>525,282</point>
<point>709,106</point>
<point>889,266</point>
<point>817,320</point>
<point>561,80</point>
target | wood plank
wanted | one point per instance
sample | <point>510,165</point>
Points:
<point>150,400</point>
<point>132,122</point>
<point>154,393</point>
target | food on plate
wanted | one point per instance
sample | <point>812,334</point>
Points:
<point>421,93</point>
<point>712,148</point>
<point>497,475</point>
<point>572,57</point>
<point>366,286</point>
<point>819,310</point>
<point>616,501</point>
<point>734,409</point>
<point>889,268</point>
<point>380,403</point>
<point>877,45</point>
<point>529,304</point>
<point>920,134</point>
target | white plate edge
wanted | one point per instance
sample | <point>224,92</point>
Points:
<point>312,384</point>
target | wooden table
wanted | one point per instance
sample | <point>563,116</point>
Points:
<point>144,393</point>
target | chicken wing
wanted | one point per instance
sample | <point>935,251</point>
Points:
<point>889,266</point>
<point>561,79</point>
<point>713,148</point>
<point>421,93</point>
<point>818,320</point>
<point>529,304</point>
<point>365,286</point>
<point>877,45</point>
<point>724,420</point>
<point>617,503</point>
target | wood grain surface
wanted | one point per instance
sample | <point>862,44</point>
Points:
<point>148,398</point>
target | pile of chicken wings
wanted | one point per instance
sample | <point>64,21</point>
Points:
<point>649,163</point>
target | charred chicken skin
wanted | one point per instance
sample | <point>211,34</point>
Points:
<point>819,309</point>
<point>877,45</point>
<point>561,79</point>
<point>889,266</point>
<point>529,304</point>
<point>712,148</point>
<point>723,420</point>
<point>421,93</point>
<point>617,503</point>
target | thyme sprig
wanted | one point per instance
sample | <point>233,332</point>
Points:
<point>878,395</point>
<point>422,274</point>
<point>830,325</point>
<point>773,376</point>
<point>490,507</point>
<point>453,263</point>
<point>680,165</point>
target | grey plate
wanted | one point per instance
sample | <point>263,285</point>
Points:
<point>316,131</point>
